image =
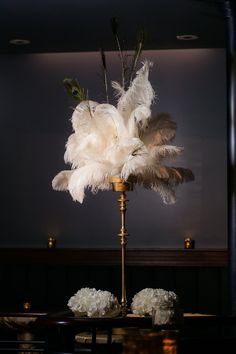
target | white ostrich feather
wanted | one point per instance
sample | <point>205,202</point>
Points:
<point>167,192</point>
<point>81,118</point>
<point>139,92</point>
<point>165,151</point>
<point>61,180</point>
<point>119,91</point>
<point>145,162</point>
<point>138,120</point>
<point>161,179</point>
<point>124,141</point>
<point>135,164</point>
<point>94,176</point>
<point>71,154</point>
<point>80,151</point>
<point>107,117</point>
<point>118,152</point>
<point>161,130</point>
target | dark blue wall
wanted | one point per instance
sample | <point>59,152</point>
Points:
<point>34,127</point>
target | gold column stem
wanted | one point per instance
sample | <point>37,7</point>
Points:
<point>122,186</point>
<point>123,234</point>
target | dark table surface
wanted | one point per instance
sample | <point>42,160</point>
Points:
<point>198,333</point>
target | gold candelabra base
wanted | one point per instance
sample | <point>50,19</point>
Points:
<point>122,186</point>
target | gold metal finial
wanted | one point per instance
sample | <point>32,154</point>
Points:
<point>189,243</point>
<point>51,242</point>
<point>122,186</point>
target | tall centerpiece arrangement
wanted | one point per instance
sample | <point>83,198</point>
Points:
<point>116,146</point>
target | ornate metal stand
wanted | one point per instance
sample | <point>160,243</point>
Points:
<point>120,186</point>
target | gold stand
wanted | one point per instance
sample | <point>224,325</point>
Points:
<point>120,186</point>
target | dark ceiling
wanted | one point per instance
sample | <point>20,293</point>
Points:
<point>84,25</point>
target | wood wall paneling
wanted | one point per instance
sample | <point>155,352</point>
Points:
<point>48,278</point>
<point>135,257</point>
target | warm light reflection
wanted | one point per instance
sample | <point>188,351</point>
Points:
<point>152,342</point>
<point>26,306</point>
<point>51,242</point>
<point>169,346</point>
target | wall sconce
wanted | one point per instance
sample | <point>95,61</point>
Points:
<point>26,306</point>
<point>189,243</point>
<point>51,242</point>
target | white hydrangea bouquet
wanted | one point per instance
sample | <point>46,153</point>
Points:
<point>159,303</point>
<point>94,303</point>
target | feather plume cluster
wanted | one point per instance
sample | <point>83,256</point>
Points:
<point>124,141</point>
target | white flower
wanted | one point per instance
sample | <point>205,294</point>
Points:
<point>94,303</point>
<point>164,316</point>
<point>146,300</point>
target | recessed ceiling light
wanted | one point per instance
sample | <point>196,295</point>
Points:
<point>19,41</point>
<point>187,37</point>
